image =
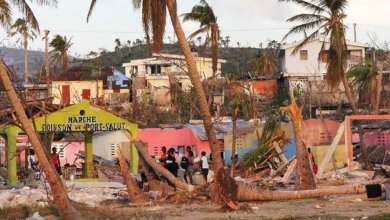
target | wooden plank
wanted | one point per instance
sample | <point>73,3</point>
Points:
<point>369,117</point>
<point>281,154</point>
<point>331,149</point>
<point>290,169</point>
<point>279,169</point>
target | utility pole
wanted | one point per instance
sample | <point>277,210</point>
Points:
<point>47,67</point>
<point>354,32</point>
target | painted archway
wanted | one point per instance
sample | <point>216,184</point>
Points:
<point>82,117</point>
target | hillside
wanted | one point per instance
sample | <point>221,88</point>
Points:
<point>14,58</point>
<point>237,58</point>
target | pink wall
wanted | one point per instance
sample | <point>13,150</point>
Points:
<point>376,137</point>
<point>71,149</point>
<point>320,132</point>
<point>156,138</point>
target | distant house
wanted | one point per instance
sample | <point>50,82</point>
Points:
<point>305,70</point>
<point>83,83</point>
<point>154,75</point>
<point>308,64</point>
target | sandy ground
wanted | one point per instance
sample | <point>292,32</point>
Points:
<point>298,209</point>
<point>98,203</point>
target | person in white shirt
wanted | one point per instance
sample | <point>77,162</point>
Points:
<point>32,161</point>
<point>205,165</point>
<point>32,166</point>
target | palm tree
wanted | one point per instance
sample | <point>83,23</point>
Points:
<point>363,77</point>
<point>326,18</point>
<point>265,64</point>
<point>204,14</point>
<point>61,199</point>
<point>193,73</point>
<point>26,31</point>
<point>61,46</point>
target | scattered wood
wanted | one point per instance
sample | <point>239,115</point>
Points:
<point>290,169</point>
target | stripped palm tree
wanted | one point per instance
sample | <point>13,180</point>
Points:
<point>61,46</point>
<point>153,20</point>
<point>204,14</point>
<point>26,31</point>
<point>66,209</point>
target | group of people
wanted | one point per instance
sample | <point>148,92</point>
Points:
<point>188,162</point>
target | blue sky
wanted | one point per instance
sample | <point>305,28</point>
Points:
<point>248,21</point>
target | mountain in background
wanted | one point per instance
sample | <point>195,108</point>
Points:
<point>14,58</point>
<point>237,58</point>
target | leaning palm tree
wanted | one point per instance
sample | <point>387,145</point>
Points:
<point>326,17</point>
<point>61,46</point>
<point>61,199</point>
<point>204,14</point>
<point>26,31</point>
<point>160,10</point>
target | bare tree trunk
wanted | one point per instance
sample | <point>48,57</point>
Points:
<point>233,158</point>
<point>135,194</point>
<point>378,89</point>
<point>214,58</point>
<point>61,199</point>
<point>65,61</point>
<point>246,193</point>
<point>305,178</point>
<point>25,44</point>
<point>157,167</point>
<point>195,79</point>
<point>352,101</point>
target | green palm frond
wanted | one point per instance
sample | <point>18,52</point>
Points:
<point>308,5</point>
<point>362,75</point>
<point>154,15</point>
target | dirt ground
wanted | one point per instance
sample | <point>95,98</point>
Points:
<point>297,209</point>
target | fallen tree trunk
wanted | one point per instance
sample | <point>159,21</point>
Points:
<point>135,194</point>
<point>246,193</point>
<point>157,167</point>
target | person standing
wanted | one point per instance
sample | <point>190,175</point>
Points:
<point>32,167</point>
<point>204,165</point>
<point>172,165</point>
<point>56,160</point>
<point>163,157</point>
<point>188,166</point>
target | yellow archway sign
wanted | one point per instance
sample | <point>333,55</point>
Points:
<point>84,117</point>
<point>81,117</point>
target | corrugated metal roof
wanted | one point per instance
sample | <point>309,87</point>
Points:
<point>221,128</point>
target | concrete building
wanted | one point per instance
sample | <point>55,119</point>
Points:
<point>72,92</point>
<point>106,86</point>
<point>155,74</point>
<point>304,72</point>
<point>308,64</point>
